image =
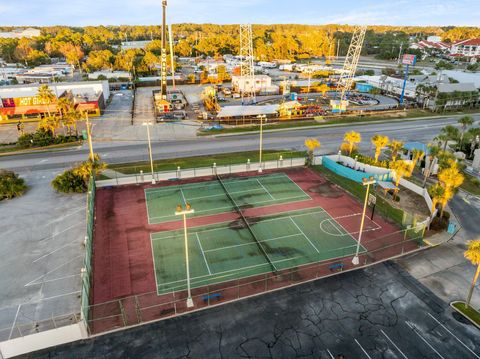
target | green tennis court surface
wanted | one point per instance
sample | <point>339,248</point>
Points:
<point>227,251</point>
<point>209,198</point>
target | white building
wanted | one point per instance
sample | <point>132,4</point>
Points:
<point>467,48</point>
<point>45,73</point>
<point>262,84</point>
<point>127,45</point>
<point>434,39</point>
<point>109,74</point>
<point>19,33</point>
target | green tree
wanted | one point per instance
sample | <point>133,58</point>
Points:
<point>473,255</point>
<point>352,138</point>
<point>379,142</point>
<point>465,122</point>
<point>11,185</point>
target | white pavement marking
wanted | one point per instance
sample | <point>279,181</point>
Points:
<point>63,230</point>
<point>395,345</point>
<point>413,327</point>
<point>203,252</point>
<point>14,321</point>
<point>453,335</point>
<point>53,280</point>
<point>266,190</point>
<point>53,270</point>
<point>331,356</point>
<point>368,356</point>
<point>49,253</point>
<point>62,295</point>
<point>306,237</point>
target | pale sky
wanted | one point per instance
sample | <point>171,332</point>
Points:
<point>145,12</point>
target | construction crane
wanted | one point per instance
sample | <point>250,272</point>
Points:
<point>164,52</point>
<point>350,67</point>
<point>247,71</point>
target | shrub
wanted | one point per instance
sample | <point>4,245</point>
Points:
<point>42,138</point>
<point>11,185</point>
<point>439,224</point>
<point>75,180</point>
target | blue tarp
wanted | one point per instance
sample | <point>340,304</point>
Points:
<point>350,173</point>
<point>410,146</point>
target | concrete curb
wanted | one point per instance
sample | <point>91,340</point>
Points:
<point>463,315</point>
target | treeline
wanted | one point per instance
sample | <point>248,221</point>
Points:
<point>96,47</point>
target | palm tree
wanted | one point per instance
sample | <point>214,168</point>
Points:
<point>448,133</point>
<point>436,192</point>
<point>395,147</point>
<point>465,122</point>
<point>71,119</point>
<point>64,104</point>
<point>473,255</point>
<point>352,138</point>
<point>379,142</point>
<point>451,179</point>
<point>46,96</point>
<point>417,156</point>
<point>312,144</point>
<point>433,152</point>
<point>401,169</point>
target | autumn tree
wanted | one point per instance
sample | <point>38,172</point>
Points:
<point>352,138</point>
<point>395,147</point>
<point>379,142</point>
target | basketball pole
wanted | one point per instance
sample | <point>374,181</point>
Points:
<point>183,212</point>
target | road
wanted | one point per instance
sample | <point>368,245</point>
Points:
<point>121,152</point>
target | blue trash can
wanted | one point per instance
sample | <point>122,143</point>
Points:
<point>452,227</point>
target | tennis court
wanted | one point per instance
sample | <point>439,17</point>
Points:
<point>233,250</point>
<point>208,198</point>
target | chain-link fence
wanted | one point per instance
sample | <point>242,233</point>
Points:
<point>146,307</point>
<point>87,265</point>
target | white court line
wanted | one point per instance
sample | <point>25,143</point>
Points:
<point>412,326</point>
<point>14,321</point>
<point>334,225</point>
<point>183,196</point>
<point>331,356</point>
<point>154,266</point>
<point>223,194</point>
<point>49,253</point>
<point>395,345</point>
<point>308,239</point>
<point>223,228</point>
<point>266,190</point>
<point>453,335</point>
<point>368,356</point>
<point>203,252</point>
<point>249,244</point>
<point>241,269</point>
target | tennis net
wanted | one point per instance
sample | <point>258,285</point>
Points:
<point>247,225</point>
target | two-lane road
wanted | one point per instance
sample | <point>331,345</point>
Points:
<point>330,137</point>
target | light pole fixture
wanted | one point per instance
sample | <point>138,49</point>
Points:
<point>366,182</point>
<point>261,118</point>
<point>89,136</point>
<point>148,124</point>
<point>180,211</point>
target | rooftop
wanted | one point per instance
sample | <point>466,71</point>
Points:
<point>247,111</point>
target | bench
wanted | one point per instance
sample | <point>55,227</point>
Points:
<point>336,267</point>
<point>208,297</point>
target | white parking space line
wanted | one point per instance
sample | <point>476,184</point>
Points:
<point>413,327</point>
<point>395,345</point>
<point>363,350</point>
<point>14,321</point>
<point>203,252</point>
<point>331,356</point>
<point>453,335</point>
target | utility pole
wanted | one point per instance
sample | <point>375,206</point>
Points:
<point>163,76</point>
<point>89,137</point>
<point>400,53</point>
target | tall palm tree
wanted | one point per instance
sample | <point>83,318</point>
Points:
<point>401,169</point>
<point>71,119</point>
<point>448,133</point>
<point>379,142</point>
<point>473,255</point>
<point>312,144</point>
<point>450,178</point>
<point>417,156</point>
<point>436,192</point>
<point>352,138</point>
<point>433,152</point>
<point>46,95</point>
<point>465,122</point>
<point>395,147</point>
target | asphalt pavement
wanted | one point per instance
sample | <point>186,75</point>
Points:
<point>378,312</point>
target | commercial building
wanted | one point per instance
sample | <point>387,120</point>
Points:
<point>19,33</point>
<point>45,73</point>
<point>262,84</point>
<point>467,48</point>
<point>21,101</point>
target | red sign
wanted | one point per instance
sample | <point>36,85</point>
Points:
<point>409,59</point>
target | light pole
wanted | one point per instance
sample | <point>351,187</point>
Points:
<point>89,136</point>
<point>261,118</point>
<point>183,212</point>
<point>365,182</point>
<point>148,124</point>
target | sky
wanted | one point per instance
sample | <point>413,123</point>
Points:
<point>146,12</point>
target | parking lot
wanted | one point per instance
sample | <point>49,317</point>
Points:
<point>379,312</point>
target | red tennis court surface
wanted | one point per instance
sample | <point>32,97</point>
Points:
<point>124,287</point>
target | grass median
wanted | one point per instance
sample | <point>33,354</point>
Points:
<point>468,312</point>
<point>223,159</point>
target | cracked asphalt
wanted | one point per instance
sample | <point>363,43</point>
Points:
<point>378,312</point>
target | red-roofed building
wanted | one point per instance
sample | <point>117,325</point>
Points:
<point>467,48</point>
<point>424,44</point>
